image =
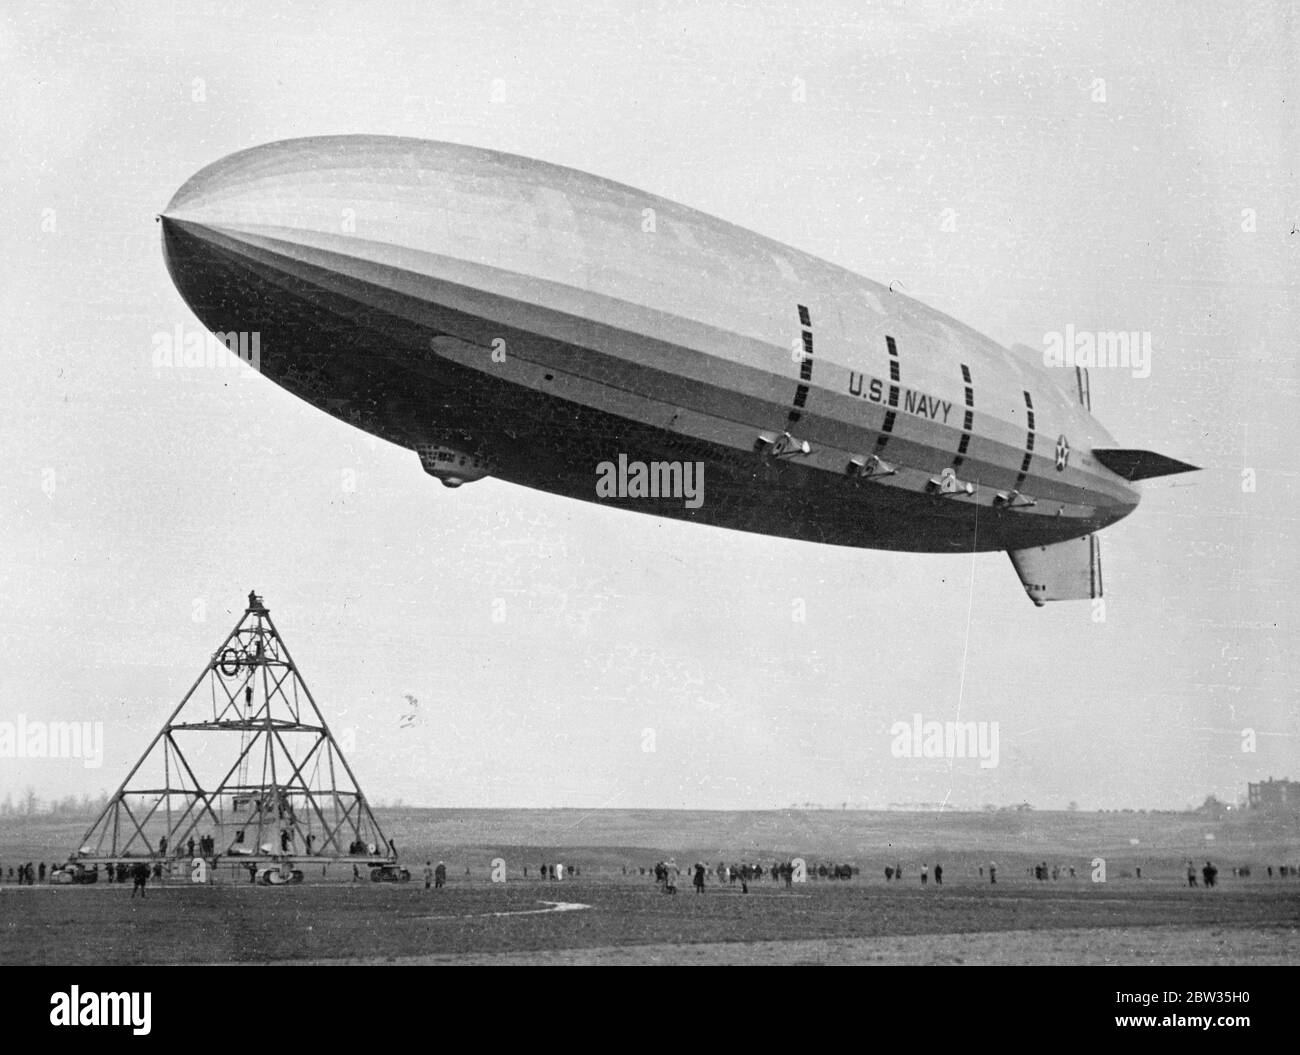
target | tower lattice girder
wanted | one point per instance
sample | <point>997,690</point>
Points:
<point>286,791</point>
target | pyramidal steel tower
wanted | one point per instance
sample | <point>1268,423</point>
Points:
<point>245,770</point>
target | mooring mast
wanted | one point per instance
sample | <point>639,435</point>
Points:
<point>285,793</point>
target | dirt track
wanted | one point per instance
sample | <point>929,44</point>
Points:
<point>1089,946</point>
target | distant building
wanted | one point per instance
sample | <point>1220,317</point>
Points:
<point>1212,807</point>
<point>1273,795</point>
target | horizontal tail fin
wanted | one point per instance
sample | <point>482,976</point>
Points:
<point>1140,465</point>
<point>1063,571</point>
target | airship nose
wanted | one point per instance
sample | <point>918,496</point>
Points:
<point>295,211</point>
<point>267,186</point>
<point>211,228</point>
<point>246,239</point>
<point>302,249</point>
<point>251,201</point>
<point>359,188</point>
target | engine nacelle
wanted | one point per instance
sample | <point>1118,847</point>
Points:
<point>452,465</point>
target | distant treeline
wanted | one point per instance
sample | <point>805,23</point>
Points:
<point>1210,806</point>
<point>29,804</point>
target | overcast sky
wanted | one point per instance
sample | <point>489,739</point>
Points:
<point>1023,168</point>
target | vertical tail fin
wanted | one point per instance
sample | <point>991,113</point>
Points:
<point>1063,571</point>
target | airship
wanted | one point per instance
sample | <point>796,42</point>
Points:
<point>506,317</point>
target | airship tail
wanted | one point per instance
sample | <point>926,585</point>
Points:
<point>1063,571</point>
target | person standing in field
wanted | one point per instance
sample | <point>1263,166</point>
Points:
<point>140,876</point>
<point>440,876</point>
<point>428,874</point>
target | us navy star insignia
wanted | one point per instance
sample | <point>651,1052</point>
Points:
<point>1062,453</point>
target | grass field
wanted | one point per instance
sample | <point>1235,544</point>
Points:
<point>626,919</point>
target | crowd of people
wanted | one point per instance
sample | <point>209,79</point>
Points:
<point>555,871</point>
<point>665,873</point>
<point>27,874</point>
<point>1042,873</point>
<point>206,845</point>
